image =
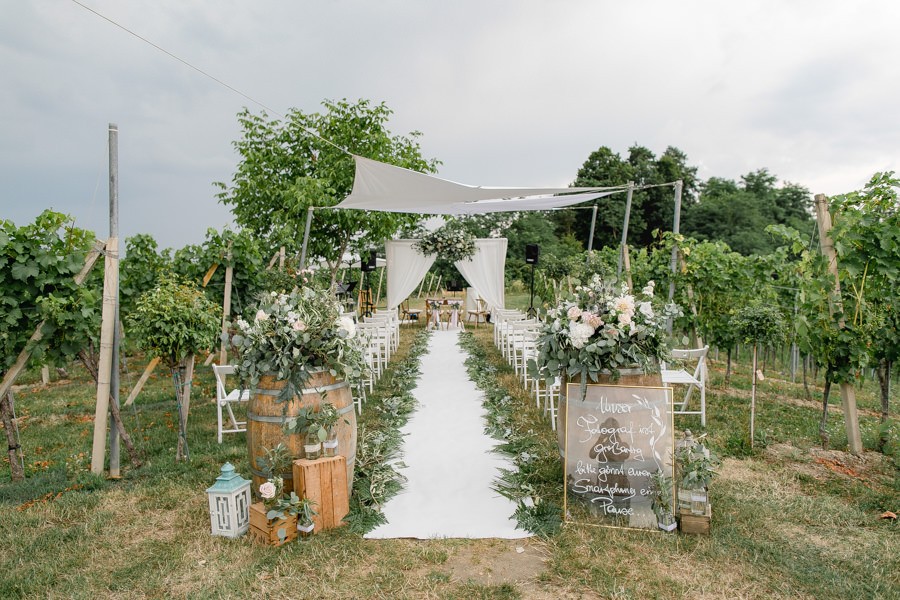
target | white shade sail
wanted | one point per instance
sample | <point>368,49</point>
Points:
<point>382,187</point>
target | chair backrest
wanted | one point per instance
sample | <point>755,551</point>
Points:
<point>220,372</point>
<point>689,354</point>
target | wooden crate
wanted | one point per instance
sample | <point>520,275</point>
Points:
<point>267,531</point>
<point>324,481</point>
<point>695,524</point>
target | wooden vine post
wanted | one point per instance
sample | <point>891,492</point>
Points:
<point>848,394</point>
<point>226,305</point>
<point>9,378</point>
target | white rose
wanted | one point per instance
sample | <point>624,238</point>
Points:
<point>261,315</point>
<point>646,309</point>
<point>347,324</point>
<point>624,304</point>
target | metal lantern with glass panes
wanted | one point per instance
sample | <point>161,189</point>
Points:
<point>229,504</point>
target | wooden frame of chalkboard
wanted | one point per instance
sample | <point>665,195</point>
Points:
<point>615,440</point>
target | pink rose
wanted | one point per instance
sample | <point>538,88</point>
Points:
<point>267,490</point>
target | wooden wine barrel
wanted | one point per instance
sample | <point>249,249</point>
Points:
<point>636,377</point>
<point>266,419</point>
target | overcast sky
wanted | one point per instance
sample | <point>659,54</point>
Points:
<point>506,93</point>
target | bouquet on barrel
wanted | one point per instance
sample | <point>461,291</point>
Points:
<point>292,334</point>
<point>603,328</point>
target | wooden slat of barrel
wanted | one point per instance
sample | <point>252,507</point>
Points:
<point>266,417</point>
<point>636,377</point>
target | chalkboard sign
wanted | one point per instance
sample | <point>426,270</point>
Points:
<point>615,440</point>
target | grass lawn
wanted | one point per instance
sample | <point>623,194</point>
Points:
<point>790,520</point>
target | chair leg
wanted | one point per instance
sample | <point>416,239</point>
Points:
<point>703,406</point>
<point>219,421</point>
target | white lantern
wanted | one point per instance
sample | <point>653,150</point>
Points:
<point>229,504</point>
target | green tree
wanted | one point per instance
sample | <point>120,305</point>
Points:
<point>739,213</point>
<point>175,321</point>
<point>285,168</point>
<point>651,208</point>
<point>140,269</point>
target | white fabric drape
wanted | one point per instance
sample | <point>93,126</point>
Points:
<point>406,269</point>
<point>485,270</point>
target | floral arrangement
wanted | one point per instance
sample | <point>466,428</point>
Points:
<point>601,329</point>
<point>292,334</point>
<point>451,243</point>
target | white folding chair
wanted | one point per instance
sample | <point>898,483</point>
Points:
<point>224,399</point>
<point>682,377</point>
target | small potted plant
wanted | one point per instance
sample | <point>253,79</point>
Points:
<point>662,501</point>
<point>697,468</point>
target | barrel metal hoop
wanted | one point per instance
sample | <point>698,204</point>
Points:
<point>304,391</point>
<point>266,418</point>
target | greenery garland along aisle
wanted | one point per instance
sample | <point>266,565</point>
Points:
<point>535,482</point>
<point>379,441</point>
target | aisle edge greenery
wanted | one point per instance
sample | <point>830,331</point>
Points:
<point>535,466</point>
<point>379,443</point>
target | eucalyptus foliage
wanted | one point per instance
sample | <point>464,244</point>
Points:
<point>534,482</point>
<point>602,328</point>
<point>379,443</point>
<point>450,243</point>
<point>175,320</point>
<point>292,335</point>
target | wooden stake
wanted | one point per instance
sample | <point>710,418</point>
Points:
<point>226,306</point>
<point>626,256</point>
<point>182,453</point>
<point>380,281</point>
<point>848,394</point>
<point>753,399</point>
<point>107,325</point>
<point>281,259</point>
<point>209,274</point>
<point>7,403</point>
<point>45,374</point>
<point>140,384</point>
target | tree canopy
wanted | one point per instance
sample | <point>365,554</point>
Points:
<point>651,208</point>
<point>304,160</point>
<point>738,213</point>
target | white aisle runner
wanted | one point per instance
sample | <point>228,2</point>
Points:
<point>451,465</point>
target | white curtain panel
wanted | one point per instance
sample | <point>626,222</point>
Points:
<point>485,270</point>
<point>406,269</point>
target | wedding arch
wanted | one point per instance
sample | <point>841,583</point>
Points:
<point>484,271</point>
